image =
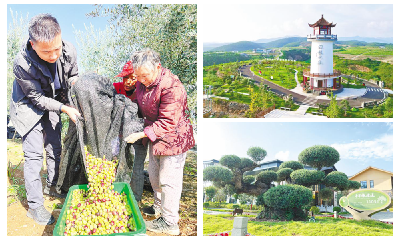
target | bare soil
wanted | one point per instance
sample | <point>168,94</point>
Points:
<point>18,224</point>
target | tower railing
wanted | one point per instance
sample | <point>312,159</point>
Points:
<point>322,36</point>
<point>336,73</point>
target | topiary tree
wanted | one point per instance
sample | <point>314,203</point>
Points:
<point>219,175</point>
<point>280,206</point>
<point>283,174</point>
<point>210,192</point>
<point>319,156</point>
<point>337,180</point>
<point>353,185</point>
<point>295,165</point>
<point>257,154</point>
<point>237,167</point>
<point>325,194</point>
<point>306,177</point>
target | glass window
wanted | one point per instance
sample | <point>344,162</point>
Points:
<point>371,183</point>
<point>363,184</point>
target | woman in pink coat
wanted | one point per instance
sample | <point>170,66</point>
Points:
<point>161,98</point>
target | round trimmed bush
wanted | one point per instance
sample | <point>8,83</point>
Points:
<point>319,156</point>
<point>306,177</point>
<point>256,153</point>
<point>287,197</point>
<point>267,177</point>
<point>338,180</point>
<point>230,161</point>
<point>234,206</point>
<point>286,202</point>
<point>337,209</point>
<point>284,173</point>
<point>248,179</point>
<point>295,165</point>
<point>206,205</point>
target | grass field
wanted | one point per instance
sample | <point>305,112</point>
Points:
<point>323,226</point>
<point>367,50</point>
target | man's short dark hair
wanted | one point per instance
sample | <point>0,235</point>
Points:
<point>43,28</point>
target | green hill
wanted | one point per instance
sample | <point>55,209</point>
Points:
<point>292,41</point>
<point>238,46</point>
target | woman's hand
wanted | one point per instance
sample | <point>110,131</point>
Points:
<point>72,112</point>
<point>134,137</point>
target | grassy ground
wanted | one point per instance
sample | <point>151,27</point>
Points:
<point>324,226</point>
<point>367,50</point>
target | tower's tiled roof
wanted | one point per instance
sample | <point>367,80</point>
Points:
<point>322,22</point>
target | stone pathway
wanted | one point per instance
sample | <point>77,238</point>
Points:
<point>381,216</point>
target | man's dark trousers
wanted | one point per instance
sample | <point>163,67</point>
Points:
<point>46,132</point>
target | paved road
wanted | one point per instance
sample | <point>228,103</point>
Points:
<point>374,92</point>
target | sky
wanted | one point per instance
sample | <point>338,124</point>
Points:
<point>71,17</point>
<point>360,144</point>
<point>225,23</point>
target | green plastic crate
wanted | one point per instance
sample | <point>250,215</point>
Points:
<point>119,187</point>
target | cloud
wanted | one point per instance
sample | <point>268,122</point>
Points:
<point>364,151</point>
<point>282,155</point>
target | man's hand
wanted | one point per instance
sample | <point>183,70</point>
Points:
<point>134,137</point>
<point>72,112</point>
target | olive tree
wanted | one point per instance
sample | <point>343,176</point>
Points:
<point>170,29</point>
<point>232,173</point>
<point>17,33</point>
<point>319,156</point>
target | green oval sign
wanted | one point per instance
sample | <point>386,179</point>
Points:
<point>366,200</point>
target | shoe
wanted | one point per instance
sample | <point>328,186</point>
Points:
<point>159,225</point>
<point>152,211</point>
<point>41,215</point>
<point>51,191</point>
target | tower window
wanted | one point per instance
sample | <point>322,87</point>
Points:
<point>321,46</point>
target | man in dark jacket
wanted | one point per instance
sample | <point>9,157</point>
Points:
<point>44,70</point>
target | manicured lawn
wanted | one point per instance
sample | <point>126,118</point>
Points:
<point>324,226</point>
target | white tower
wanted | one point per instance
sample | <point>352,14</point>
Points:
<point>321,76</point>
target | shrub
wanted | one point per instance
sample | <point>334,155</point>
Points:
<point>337,209</point>
<point>234,206</point>
<point>267,177</point>
<point>287,202</point>
<point>206,205</point>
<point>314,209</point>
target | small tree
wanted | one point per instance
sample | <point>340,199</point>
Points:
<point>220,196</point>
<point>325,194</point>
<point>333,110</point>
<point>344,104</point>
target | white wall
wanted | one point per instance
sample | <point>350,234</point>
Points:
<point>323,55</point>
